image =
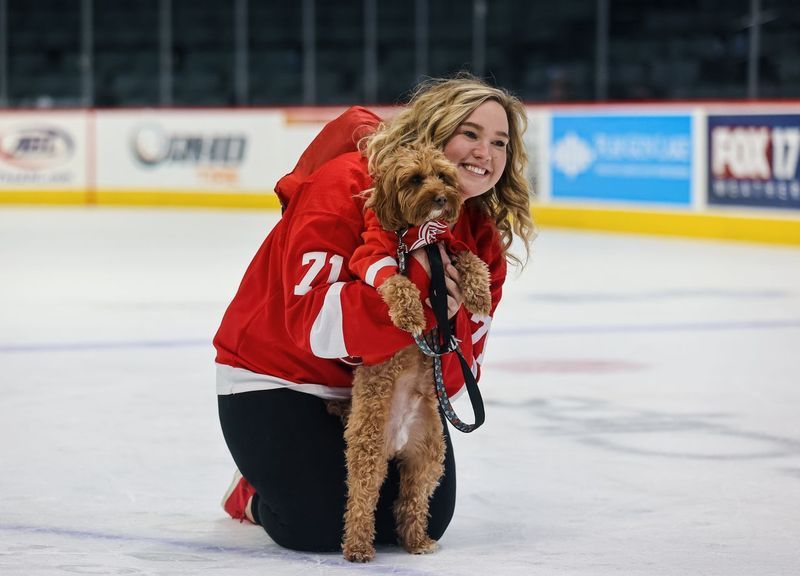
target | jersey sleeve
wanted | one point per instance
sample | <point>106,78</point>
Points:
<point>373,261</point>
<point>329,310</point>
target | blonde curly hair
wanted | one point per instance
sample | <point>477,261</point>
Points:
<point>435,111</point>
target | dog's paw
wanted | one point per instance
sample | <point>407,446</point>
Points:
<point>411,319</point>
<point>424,546</point>
<point>405,307</point>
<point>358,552</point>
<point>478,301</point>
<point>475,281</point>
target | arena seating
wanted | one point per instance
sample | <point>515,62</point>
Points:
<point>678,49</point>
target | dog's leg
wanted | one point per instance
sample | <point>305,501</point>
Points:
<point>475,282</point>
<point>405,307</point>
<point>421,468</point>
<point>366,459</point>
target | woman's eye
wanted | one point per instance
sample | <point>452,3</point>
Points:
<point>470,134</point>
<point>500,143</point>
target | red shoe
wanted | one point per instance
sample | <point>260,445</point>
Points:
<point>237,497</point>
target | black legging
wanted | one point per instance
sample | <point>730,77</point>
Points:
<point>292,451</point>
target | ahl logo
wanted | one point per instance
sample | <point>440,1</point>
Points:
<point>755,152</point>
<point>36,148</point>
<point>152,146</point>
<point>572,155</point>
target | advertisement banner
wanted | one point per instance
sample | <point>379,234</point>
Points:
<point>536,147</point>
<point>224,151</point>
<point>637,158</point>
<point>753,160</point>
<point>43,151</point>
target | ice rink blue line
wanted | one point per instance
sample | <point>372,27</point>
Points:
<point>98,346</point>
<point>497,333</point>
<point>330,560</point>
<point>650,328</point>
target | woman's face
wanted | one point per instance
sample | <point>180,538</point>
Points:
<point>478,149</point>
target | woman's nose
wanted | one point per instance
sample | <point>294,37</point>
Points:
<point>481,149</point>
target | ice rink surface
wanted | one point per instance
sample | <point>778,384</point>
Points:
<point>642,398</point>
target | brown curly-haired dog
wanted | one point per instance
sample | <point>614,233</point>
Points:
<point>394,411</point>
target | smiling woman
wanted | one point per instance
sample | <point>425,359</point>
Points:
<point>303,319</point>
<point>478,149</point>
<point>441,114</point>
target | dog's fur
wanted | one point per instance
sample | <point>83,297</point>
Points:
<point>394,411</point>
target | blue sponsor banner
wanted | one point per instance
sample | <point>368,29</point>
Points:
<point>624,158</point>
<point>753,160</point>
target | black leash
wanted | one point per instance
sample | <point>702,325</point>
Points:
<point>441,340</point>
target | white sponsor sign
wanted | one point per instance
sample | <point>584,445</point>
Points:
<point>189,151</point>
<point>302,125</point>
<point>43,151</point>
<point>536,139</point>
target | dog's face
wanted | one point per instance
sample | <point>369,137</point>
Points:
<point>419,185</point>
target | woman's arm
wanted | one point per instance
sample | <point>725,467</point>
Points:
<point>328,311</point>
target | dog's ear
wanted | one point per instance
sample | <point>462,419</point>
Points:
<point>386,207</point>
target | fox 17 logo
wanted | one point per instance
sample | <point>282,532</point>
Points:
<point>753,160</point>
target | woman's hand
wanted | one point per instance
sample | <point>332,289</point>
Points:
<point>451,278</point>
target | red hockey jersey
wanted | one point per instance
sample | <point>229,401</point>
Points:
<point>301,319</point>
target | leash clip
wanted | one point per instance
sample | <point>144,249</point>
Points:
<point>402,250</point>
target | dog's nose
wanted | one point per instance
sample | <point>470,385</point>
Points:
<point>440,201</point>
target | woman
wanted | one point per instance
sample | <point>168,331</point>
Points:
<point>301,320</point>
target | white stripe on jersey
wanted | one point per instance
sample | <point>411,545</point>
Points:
<point>375,267</point>
<point>327,332</point>
<point>485,323</point>
<point>232,380</point>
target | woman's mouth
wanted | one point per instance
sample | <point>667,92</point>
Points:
<point>477,170</point>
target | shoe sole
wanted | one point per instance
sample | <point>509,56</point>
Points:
<point>236,477</point>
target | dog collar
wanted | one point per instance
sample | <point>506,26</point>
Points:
<point>411,238</point>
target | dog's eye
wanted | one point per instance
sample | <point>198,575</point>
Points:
<point>416,179</point>
<point>447,178</point>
